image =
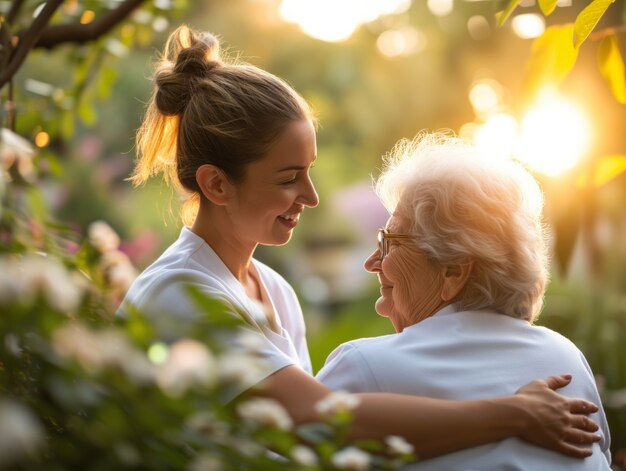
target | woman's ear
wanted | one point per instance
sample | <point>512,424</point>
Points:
<point>454,279</point>
<point>214,184</point>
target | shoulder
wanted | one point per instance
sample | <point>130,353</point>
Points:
<point>555,339</point>
<point>353,365</point>
<point>363,350</point>
<point>170,291</point>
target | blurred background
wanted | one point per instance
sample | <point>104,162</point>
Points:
<point>374,72</point>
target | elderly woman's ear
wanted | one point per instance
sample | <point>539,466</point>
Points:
<point>454,279</point>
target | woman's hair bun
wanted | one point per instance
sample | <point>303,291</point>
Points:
<point>188,56</point>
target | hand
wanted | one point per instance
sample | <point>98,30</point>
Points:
<point>558,422</point>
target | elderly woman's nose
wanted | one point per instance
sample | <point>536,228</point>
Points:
<point>372,264</point>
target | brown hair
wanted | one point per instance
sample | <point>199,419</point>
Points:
<point>205,110</point>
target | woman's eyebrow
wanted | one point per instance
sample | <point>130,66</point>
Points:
<point>291,168</point>
<point>296,167</point>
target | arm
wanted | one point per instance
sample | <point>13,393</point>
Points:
<point>436,427</point>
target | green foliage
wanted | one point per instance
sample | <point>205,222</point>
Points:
<point>587,20</point>
<point>553,57</point>
<point>611,64</point>
<point>87,390</point>
<point>547,6</point>
<point>504,14</point>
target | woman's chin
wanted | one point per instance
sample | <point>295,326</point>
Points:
<point>381,308</point>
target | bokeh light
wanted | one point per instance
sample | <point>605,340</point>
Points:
<point>553,137</point>
<point>42,139</point>
<point>440,7</point>
<point>401,42</point>
<point>478,27</point>
<point>336,20</point>
<point>528,26</point>
<point>87,17</point>
<point>484,96</point>
<point>158,353</point>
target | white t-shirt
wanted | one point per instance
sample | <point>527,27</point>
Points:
<point>471,355</point>
<point>161,290</point>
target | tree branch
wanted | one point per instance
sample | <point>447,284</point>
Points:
<point>13,12</point>
<point>5,36</point>
<point>28,40</point>
<point>79,33</point>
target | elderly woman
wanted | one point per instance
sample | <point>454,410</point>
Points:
<point>462,266</point>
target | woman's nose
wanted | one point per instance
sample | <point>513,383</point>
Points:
<point>372,264</point>
<point>309,196</point>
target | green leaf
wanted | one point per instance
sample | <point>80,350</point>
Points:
<point>315,432</point>
<point>503,15</point>
<point>552,58</point>
<point>611,66</point>
<point>588,19</point>
<point>67,125</point>
<point>547,6</point>
<point>107,77</point>
<point>607,168</point>
<point>37,203</point>
<point>86,112</point>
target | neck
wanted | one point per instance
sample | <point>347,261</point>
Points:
<point>213,225</point>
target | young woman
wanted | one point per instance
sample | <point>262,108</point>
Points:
<point>239,142</point>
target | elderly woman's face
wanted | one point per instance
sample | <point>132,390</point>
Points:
<point>410,285</point>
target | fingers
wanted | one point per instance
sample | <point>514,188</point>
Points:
<point>559,381</point>
<point>574,451</point>
<point>580,406</point>
<point>584,423</point>
<point>576,443</point>
<point>581,438</point>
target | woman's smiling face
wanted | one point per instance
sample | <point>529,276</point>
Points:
<point>410,284</point>
<point>275,189</point>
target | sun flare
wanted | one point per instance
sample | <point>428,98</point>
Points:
<point>336,20</point>
<point>553,137</point>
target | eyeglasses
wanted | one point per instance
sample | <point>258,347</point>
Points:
<point>383,241</point>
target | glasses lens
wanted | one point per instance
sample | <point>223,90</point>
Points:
<point>382,243</point>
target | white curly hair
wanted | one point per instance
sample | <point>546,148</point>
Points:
<point>465,206</point>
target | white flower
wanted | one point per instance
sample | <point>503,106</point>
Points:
<point>304,455</point>
<point>23,279</point>
<point>265,411</point>
<point>74,340</point>
<point>351,458</point>
<point>2,185</point>
<point>14,149</point>
<point>20,431</point>
<point>206,423</point>
<point>398,445</point>
<point>103,237</point>
<point>117,352</point>
<point>205,462</point>
<point>95,350</point>
<point>118,269</point>
<point>189,362</point>
<point>336,402</point>
<point>240,368</point>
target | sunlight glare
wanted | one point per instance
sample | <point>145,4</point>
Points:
<point>336,20</point>
<point>484,97</point>
<point>553,137</point>
<point>528,26</point>
<point>496,137</point>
